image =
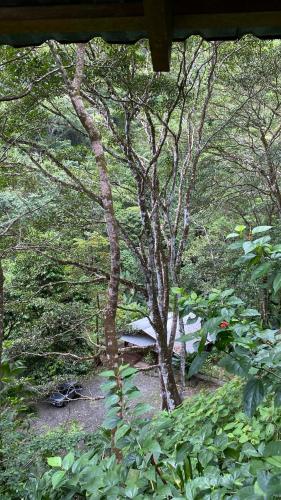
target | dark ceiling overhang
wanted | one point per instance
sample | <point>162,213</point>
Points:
<point>31,22</point>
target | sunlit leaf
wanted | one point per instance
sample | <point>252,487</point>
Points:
<point>232,235</point>
<point>240,228</point>
<point>261,229</point>
<point>277,283</point>
<point>54,461</point>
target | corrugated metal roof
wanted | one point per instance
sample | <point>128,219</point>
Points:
<point>144,325</point>
<point>140,340</point>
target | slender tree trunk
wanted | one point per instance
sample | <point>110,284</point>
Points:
<point>97,320</point>
<point>164,402</point>
<point>182,359</point>
<point>1,315</point>
<point>264,301</point>
<point>74,89</point>
<point>174,325</point>
<point>170,395</point>
<point>107,201</point>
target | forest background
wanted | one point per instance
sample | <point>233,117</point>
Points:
<point>119,187</point>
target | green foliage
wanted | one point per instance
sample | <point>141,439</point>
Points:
<point>24,451</point>
<point>205,449</point>
<point>43,315</point>
<point>209,448</point>
<point>263,258</point>
<point>206,262</point>
<point>252,348</point>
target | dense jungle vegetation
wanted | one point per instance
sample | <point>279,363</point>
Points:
<point>127,193</point>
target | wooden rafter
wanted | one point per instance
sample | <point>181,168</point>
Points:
<point>27,22</point>
<point>158,17</point>
<point>77,18</point>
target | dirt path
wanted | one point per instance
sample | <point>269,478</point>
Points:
<point>90,414</point>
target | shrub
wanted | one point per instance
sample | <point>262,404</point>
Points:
<point>206,449</point>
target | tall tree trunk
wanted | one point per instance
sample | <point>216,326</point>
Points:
<point>1,315</point>
<point>264,301</point>
<point>182,359</point>
<point>169,391</point>
<point>170,394</point>
<point>74,89</point>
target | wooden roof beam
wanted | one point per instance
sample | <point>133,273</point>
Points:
<point>158,19</point>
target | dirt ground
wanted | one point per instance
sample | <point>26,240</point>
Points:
<point>90,414</point>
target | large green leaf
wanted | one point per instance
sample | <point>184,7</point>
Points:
<point>232,235</point>
<point>202,343</point>
<point>128,372</point>
<point>261,241</point>
<point>131,491</point>
<point>253,395</point>
<point>273,489</point>
<point>182,450</point>
<point>277,283</point>
<point>276,248</point>
<point>262,270</point>
<point>197,363</point>
<point>151,445</point>
<point>108,386</point>
<point>189,336</point>
<point>261,229</point>
<point>275,461</point>
<point>111,422</point>
<point>121,431</point>
<point>236,365</point>
<point>272,449</point>
<point>227,292</point>
<point>236,245</point>
<point>250,258</point>
<point>141,408</point>
<point>54,461</point>
<point>57,478</point>
<point>177,291</point>
<point>247,493</point>
<point>250,313</point>
<point>248,246</point>
<point>108,374</point>
<point>227,313</point>
<point>111,400</point>
<point>68,461</point>
<point>235,301</point>
<point>212,324</point>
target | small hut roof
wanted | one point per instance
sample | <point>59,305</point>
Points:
<point>139,339</point>
<point>145,326</point>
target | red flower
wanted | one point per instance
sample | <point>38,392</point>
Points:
<point>224,324</point>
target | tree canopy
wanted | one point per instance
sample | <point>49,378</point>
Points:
<point>128,193</point>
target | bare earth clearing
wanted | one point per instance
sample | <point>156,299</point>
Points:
<point>90,414</point>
